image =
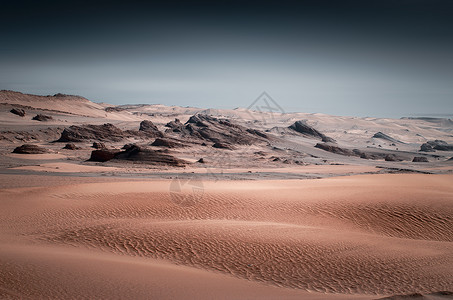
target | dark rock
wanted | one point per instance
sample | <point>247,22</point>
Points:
<point>426,148</point>
<point>29,149</point>
<point>413,296</point>
<point>383,136</point>
<point>215,130</point>
<point>222,146</point>
<point>420,159</point>
<point>102,155</point>
<point>442,293</point>
<point>138,154</point>
<point>70,146</point>
<point>18,111</point>
<point>201,161</point>
<point>99,145</point>
<point>258,133</point>
<point>390,157</point>
<point>113,109</point>
<point>436,145</point>
<point>302,127</point>
<point>60,95</point>
<point>203,144</point>
<point>159,142</point>
<point>361,154</point>
<point>150,129</point>
<point>175,126</point>
<point>42,118</point>
<point>127,146</point>
<point>105,132</point>
<point>334,149</point>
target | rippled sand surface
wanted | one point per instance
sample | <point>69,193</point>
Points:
<point>357,237</point>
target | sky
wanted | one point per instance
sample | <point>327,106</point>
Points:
<point>386,58</point>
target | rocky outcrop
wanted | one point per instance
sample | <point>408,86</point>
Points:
<point>436,145</point>
<point>359,153</point>
<point>70,146</point>
<point>30,149</point>
<point>138,154</point>
<point>42,118</point>
<point>176,126</point>
<point>303,128</point>
<point>207,128</point>
<point>383,136</point>
<point>103,155</point>
<point>420,159</point>
<point>390,157</point>
<point>334,149</point>
<point>149,129</point>
<point>161,142</point>
<point>99,145</point>
<point>18,111</point>
<point>221,145</point>
<point>426,148</point>
<point>105,132</point>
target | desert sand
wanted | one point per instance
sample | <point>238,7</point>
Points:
<point>337,238</point>
<point>220,204</point>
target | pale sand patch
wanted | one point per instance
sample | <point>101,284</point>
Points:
<point>68,167</point>
<point>46,156</point>
<point>309,169</point>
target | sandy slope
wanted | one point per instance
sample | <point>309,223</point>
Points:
<point>359,235</point>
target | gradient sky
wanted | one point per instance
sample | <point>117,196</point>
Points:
<point>386,58</point>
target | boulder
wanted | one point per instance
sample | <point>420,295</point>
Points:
<point>390,157</point>
<point>436,145</point>
<point>420,159</point>
<point>102,155</point>
<point>70,146</point>
<point>426,148</point>
<point>30,149</point>
<point>18,111</point>
<point>99,145</point>
<point>42,118</point>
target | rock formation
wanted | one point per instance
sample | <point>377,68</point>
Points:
<point>30,149</point>
<point>303,128</point>
<point>42,118</point>
<point>420,159</point>
<point>383,136</point>
<point>18,111</point>
<point>436,145</point>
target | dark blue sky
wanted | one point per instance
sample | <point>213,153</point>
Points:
<point>365,58</point>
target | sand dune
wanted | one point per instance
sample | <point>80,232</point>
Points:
<point>361,236</point>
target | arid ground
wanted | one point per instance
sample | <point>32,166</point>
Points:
<point>149,201</point>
